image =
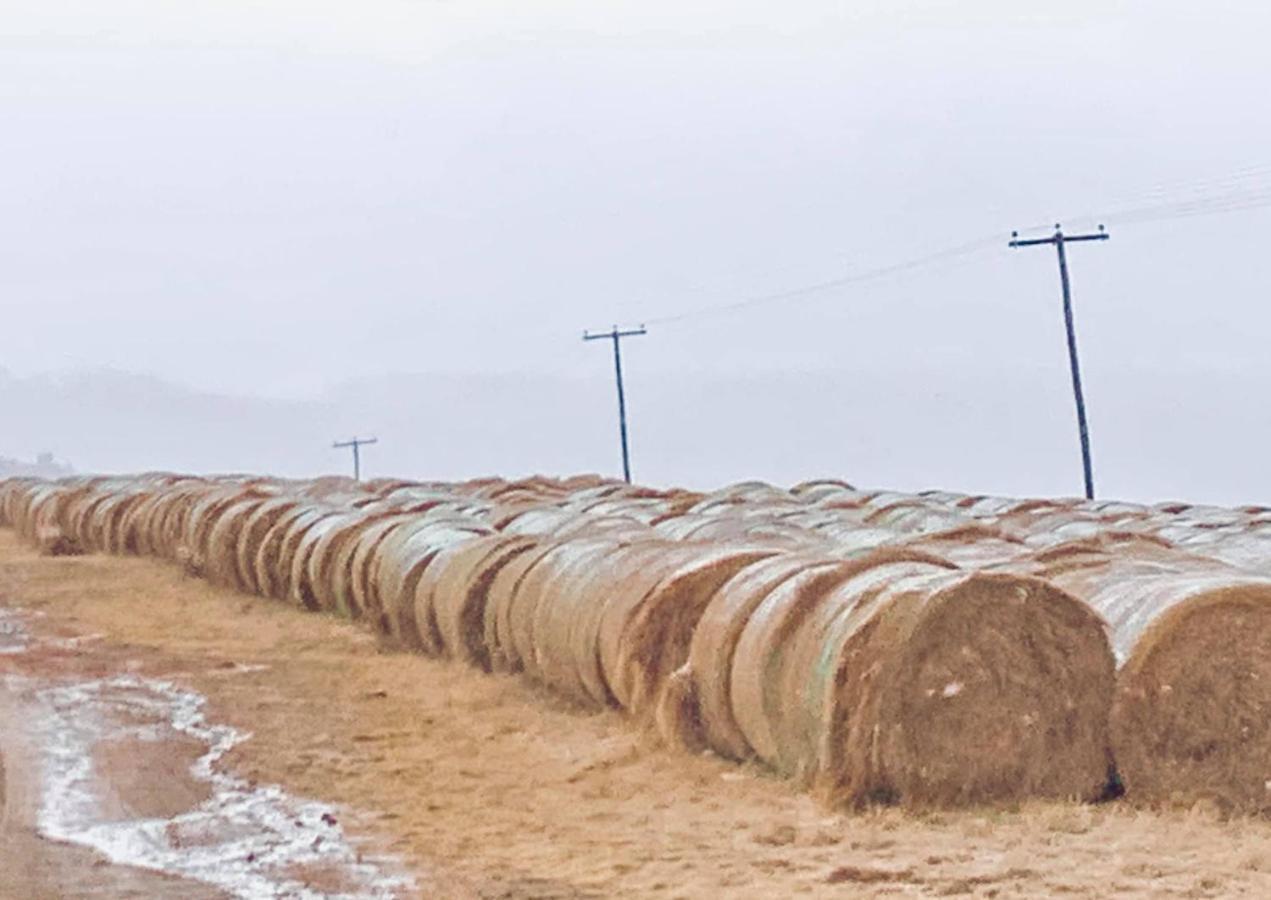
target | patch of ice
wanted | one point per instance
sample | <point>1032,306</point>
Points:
<point>14,638</point>
<point>249,836</point>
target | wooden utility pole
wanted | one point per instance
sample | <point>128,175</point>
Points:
<point>356,444</point>
<point>616,336</point>
<point>1059,239</point>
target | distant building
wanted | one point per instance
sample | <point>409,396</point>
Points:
<point>45,466</point>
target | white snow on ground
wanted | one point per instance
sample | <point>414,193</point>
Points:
<point>246,839</point>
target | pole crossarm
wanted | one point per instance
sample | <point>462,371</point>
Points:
<point>615,332</point>
<point>357,444</point>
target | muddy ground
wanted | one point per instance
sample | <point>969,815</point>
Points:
<point>484,786</point>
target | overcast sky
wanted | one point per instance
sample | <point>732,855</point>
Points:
<point>275,198</point>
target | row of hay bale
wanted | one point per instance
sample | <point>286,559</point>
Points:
<point>872,646</point>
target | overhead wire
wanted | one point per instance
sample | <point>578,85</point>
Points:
<point>1243,189</point>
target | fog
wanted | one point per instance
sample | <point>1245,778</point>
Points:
<point>234,232</point>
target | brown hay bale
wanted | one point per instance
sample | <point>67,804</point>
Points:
<point>1191,720</point>
<point>282,577</point>
<point>498,636</point>
<point>268,570</point>
<point>304,590</point>
<point>222,542</point>
<point>621,602</point>
<point>656,639</point>
<point>402,561</point>
<point>677,713</point>
<point>461,592</point>
<point>541,585</point>
<point>364,560</point>
<point>330,562</point>
<point>565,620</point>
<point>714,643</point>
<point>262,518</point>
<point>915,683</point>
<point>343,575</point>
<point>51,541</point>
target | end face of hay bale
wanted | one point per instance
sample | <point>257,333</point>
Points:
<point>1192,716</point>
<point>988,688</point>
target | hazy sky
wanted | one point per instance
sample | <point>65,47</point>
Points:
<point>273,198</point>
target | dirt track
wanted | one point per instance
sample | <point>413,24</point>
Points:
<point>486,787</point>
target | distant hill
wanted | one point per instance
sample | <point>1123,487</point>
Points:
<point>1197,434</point>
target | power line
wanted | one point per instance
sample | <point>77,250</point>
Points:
<point>823,286</point>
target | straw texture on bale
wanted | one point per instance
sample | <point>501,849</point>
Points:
<point>912,682</point>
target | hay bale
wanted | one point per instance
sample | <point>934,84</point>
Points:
<point>223,539</point>
<point>503,587</point>
<point>620,604</point>
<point>1191,720</point>
<point>283,578</point>
<point>465,573</point>
<point>364,561</point>
<point>655,640</point>
<point>262,518</point>
<point>911,682</point>
<point>304,585</point>
<point>541,585</point>
<point>268,570</point>
<point>403,558</point>
<point>710,657</point>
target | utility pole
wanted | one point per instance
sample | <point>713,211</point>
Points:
<point>1059,239</point>
<point>616,336</point>
<point>356,444</point>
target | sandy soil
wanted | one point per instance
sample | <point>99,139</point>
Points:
<point>488,787</point>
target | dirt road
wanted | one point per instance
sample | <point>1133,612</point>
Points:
<point>484,786</point>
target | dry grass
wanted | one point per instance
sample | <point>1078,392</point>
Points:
<point>492,781</point>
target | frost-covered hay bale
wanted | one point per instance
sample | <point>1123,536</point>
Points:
<point>403,559</point>
<point>619,605</point>
<point>221,566</point>
<point>705,714</point>
<point>331,560</point>
<point>656,637</point>
<point>464,574</point>
<point>261,520</point>
<point>541,585</point>
<point>304,591</point>
<point>363,562</point>
<point>1192,715</point>
<point>268,571</point>
<point>909,682</point>
<point>284,573</point>
<point>502,591</point>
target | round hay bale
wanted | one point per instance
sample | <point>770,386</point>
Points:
<point>623,601</point>
<point>221,566</point>
<point>540,586</point>
<point>282,575</point>
<point>262,518</point>
<point>459,598</point>
<point>1191,720</point>
<point>304,590</point>
<point>364,560</point>
<point>268,571</point>
<point>911,682</point>
<point>402,561</point>
<point>710,657</point>
<point>657,636</point>
<point>503,587</point>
